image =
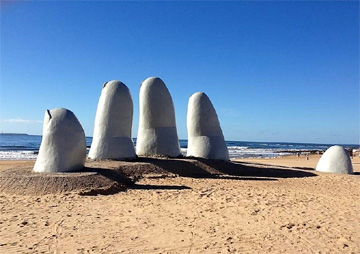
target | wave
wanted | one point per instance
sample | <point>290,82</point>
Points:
<point>18,147</point>
<point>246,152</point>
<point>234,152</point>
<point>18,155</point>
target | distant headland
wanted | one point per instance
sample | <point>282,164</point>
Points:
<point>5,133</point>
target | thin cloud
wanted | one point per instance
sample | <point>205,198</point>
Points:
<point>19,120</point>
<point>267,131</point>
<point>230,112</point>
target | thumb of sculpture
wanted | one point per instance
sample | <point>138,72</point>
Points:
<point>205,137</point>
<point>63,145</point>
<point>335,160</point>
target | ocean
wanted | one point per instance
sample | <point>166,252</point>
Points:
<point>26,147</point>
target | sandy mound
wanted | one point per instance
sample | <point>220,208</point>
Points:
<point>203,168</point>
<point>108,177</point>
<point>24,181</point>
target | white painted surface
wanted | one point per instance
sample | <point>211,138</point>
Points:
<point>157,134</point>
<point>63,145</point>
<point>205,137</point>
<point>335,160</point>
<point>113,122</point>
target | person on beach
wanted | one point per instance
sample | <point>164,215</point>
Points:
<point>351,153</point>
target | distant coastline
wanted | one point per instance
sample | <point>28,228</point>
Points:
<point>4,133</point>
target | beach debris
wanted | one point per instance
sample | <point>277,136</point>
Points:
<point>157,134</point>
<point>335,160</point>
<point>113,122</point>
<point>205,137</point>
<point>63,145</point>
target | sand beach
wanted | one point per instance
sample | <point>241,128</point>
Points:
<point>290,209</point>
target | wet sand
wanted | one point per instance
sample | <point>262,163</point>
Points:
<point>279,213</point>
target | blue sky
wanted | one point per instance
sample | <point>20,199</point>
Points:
<point>275,71</point>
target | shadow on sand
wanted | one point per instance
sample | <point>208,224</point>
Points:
<point>129,172</point>
<point>278,166</point>
<point>159,187</point>
<point>203,168</point>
